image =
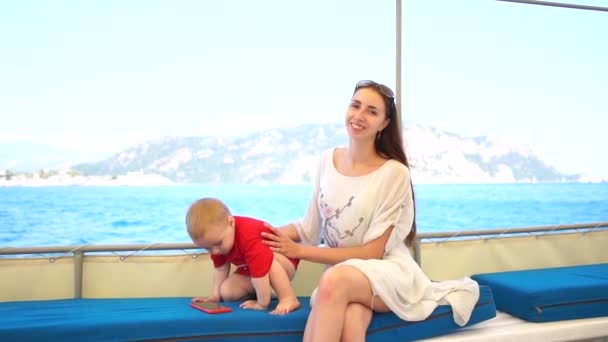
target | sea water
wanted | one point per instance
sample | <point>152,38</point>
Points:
<point>75,215</point>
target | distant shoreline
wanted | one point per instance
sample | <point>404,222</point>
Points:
<point>155,180</point>
<point>69,177</point>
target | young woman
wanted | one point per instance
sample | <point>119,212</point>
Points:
<point>363,210</point>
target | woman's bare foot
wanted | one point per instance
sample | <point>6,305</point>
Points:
<point>286,305</point>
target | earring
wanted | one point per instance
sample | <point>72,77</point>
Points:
<point>379,135</point>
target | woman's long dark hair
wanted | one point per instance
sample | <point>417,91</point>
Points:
<point>389,142</point>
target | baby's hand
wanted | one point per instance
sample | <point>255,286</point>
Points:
<point>206,299</point>
<point>252,304</point>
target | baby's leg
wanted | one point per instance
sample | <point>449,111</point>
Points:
<point>281,273</point>
<point>236,287</point>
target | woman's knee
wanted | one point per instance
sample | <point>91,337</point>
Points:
<point>334,283</point>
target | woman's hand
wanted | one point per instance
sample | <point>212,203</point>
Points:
<point>279,242</point>
<point>214,299</point>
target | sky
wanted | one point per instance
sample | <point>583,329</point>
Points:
<point>82,80</point>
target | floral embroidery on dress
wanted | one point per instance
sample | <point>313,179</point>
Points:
<point>332,234</point>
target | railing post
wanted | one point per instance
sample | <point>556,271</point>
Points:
<point>78,261</point>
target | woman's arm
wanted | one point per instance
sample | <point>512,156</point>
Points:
<point>280,242</point>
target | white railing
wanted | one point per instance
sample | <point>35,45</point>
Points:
<point>77,252</point>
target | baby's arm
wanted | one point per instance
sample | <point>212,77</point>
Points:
<point>219,275</point>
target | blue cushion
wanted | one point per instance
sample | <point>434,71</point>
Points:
<point>137,319</point>
<point>551,294</point>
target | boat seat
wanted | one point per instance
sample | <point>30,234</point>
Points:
<point>507,328</point>
<point>163,319</point>
<point>551,294</point>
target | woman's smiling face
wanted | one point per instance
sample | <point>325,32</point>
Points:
<point>366,114</point>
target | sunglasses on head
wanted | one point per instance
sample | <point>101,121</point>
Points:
<point>384,90</point>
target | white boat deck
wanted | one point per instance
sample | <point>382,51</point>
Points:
<point>507,328</point>
<point>81,272</point>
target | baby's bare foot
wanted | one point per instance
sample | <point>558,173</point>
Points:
<point>286,305</point>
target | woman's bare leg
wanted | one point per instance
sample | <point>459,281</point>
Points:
<point>310,323</point>
<point>339,286</point>
<point>356,322</point>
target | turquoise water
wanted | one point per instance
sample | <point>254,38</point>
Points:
<point>45,216</point>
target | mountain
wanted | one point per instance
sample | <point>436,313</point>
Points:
<point>443,157</point>
<point>290,156</point>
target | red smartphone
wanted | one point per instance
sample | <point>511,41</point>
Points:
<point>210,307</point>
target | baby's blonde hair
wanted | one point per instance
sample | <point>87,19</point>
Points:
<point>204,214</point>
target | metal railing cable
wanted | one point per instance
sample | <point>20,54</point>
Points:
<point>77,252</point>
<point>434,237</point>
<point>559,4</point>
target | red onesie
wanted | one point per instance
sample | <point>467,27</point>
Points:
<point>251,257</point>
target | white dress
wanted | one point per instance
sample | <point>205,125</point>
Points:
<point>351,211</point>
